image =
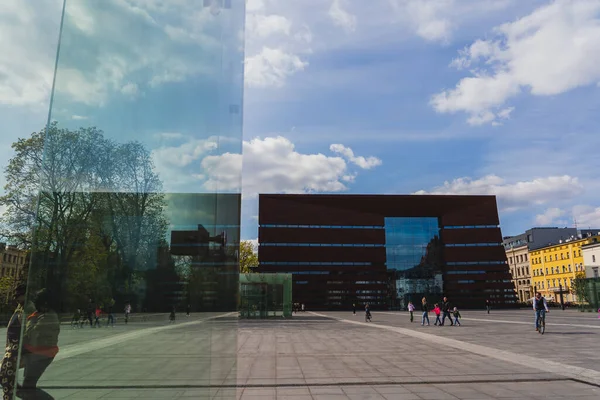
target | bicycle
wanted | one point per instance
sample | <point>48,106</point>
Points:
<point>541,323</point>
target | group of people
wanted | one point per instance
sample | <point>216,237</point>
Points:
<point>38,346</point>
<point>445,311</point>
<point>94,314</point>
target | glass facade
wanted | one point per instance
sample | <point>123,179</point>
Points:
<point>134,192</point>
<point>265,295</point>
<point>413,259</point>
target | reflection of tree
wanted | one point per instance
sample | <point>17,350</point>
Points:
<point>422,279</point>
<point>99,215</point>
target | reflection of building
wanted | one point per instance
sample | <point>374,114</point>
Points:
<point>555,266</point>
<point>385,250</point>
<point>12,261</point>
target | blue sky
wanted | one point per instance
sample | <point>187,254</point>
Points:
<point>387,96</point>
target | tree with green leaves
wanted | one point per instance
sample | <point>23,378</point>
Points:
<point>97,209</point>
<point>248,257</point>
<point>580,288</point>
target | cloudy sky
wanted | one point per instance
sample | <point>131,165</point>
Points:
<point>341,96</point>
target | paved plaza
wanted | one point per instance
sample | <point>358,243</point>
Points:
<point>331,355</point>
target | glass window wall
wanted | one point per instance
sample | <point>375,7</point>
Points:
<point>134,192</point>
<point>413,259</point>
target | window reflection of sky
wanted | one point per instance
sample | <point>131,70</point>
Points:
<point>407,239</point>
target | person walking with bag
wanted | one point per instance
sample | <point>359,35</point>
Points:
<point>9,366</point>
<point>40,342</point>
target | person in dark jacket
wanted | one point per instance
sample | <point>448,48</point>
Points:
<point>488,305</point>
<point>446,309</point>
<point>40,343</point>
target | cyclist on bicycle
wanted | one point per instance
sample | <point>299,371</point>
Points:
<point>540,306</point>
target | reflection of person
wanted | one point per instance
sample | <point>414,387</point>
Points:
<point>127,312</point>
<point>13,336</point>
<point>40,340</point>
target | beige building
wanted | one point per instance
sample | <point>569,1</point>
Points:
<point>518,261</point>
<point>12,261</point>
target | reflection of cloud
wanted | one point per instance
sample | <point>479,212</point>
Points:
<point>78,117</point>
<point>272,165</point>
<point>517,195</point>
<point>125,45</point>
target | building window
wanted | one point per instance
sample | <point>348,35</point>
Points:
<point>414,255</point>
<point>595,272</point>
<point>593,258</point>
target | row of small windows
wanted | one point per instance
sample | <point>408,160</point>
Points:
<point>366,245</point>
<point>472,244</point>
<point>316,263</point>
<point>323,226</point>
<point>367,226</point>
<point>520,271</point>
<point>518,259</point>
<point>563,256</point>
<point>477,272</point>
<point>556,270</point>
<point>486,281</point>
<point>469,226</point>
<point>321,245</point>
<point>476,263</point>
<point>556,283</point>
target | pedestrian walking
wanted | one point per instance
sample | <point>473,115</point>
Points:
<point>127,312</point>
<point>411,310</point>
<point>354,309</point>
<point>8,368</point>
<point>446,308</point>
<point>172,316</point>
<point>110,317</point>
<point>488,305</point>
<point>40,343</point>
<point>188,310</point>
<point>438,311</point>
<point>456,315</point>
<point>425,309</point>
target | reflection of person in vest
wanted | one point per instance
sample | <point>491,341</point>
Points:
<point>40,340</point>
<point>8,368</point>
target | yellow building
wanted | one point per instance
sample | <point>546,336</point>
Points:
<point>554,267</point>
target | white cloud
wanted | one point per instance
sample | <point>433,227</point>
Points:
<point>78,117</point>
<point>28,38</point>
<point>587,216</point>
<point>272,165</point>
<point>341,17</point>
<point>514,195</point>
<point>271,67</point>
<point>130,90</point>
<point>262,26</point>
<point>179,166</point>
<point>362,162</point>
<point>554,49</point>
<point>550,216</point>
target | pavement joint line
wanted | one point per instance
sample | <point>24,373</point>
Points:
<point>89,346</point>
<point>582,375</point>
<point>508,322</point>
<point>309,384</point>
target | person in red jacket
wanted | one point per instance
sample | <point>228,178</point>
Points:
<point>438,311</point>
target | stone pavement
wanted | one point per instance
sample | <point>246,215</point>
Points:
<point>330,355</point>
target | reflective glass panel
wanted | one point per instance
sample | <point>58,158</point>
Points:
<point>413,258</point>
<point>133,282</point>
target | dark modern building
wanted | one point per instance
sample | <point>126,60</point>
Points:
<point>385,250</point>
